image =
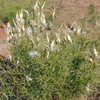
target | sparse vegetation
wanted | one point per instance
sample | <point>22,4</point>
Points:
<point>93,13</point>
<point>8,8</point>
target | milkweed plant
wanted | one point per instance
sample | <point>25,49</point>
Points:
<point>50,63</point>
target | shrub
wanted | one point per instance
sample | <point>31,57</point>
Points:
<point>58,64</point>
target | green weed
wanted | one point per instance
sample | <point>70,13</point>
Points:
<point>48,65</point>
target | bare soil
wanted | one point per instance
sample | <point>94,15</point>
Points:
<point>3,43</point>
<point>71,10</point>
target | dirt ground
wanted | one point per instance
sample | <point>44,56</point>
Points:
<point>71,10</point>
<point>67,11</point>
<point>3,43</point>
